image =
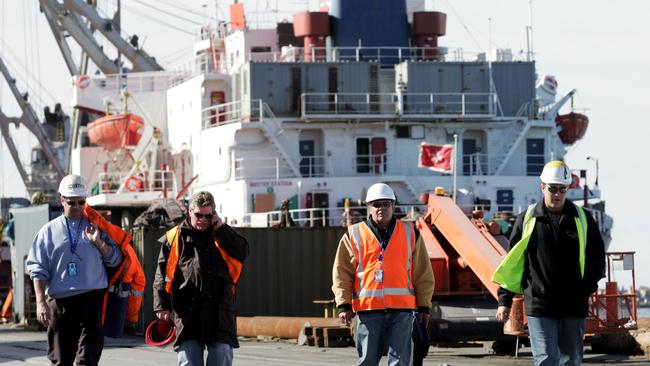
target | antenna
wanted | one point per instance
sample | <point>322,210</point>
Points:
<point>529,33</point>
<point>489,60</point>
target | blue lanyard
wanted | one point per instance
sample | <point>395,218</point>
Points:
<point>73,242</point>
<point>381,244</point>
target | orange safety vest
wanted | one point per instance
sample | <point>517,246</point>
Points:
<point>234,266</point>
<point>130,270</point>
<point>395,290</point>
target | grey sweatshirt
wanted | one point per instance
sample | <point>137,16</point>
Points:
<point>51,256</point>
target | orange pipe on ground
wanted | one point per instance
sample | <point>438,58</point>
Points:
<point>286,327</point>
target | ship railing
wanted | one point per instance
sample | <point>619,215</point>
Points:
<point>315,166</point>
<point>206,63</point>
<point>160,181</point>
<point>232,112</point>
<point>262,168</point>
<point>384,56</point>
<point>373,105</point>
<point>325,216</point>
<point>475,164</point>
<point>480,163</point>
<point>134,83</point>
<point>337,216</point>
<point>389,164</point>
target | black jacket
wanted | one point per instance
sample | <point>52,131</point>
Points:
<point>203,299</point>
<point>552,283</point>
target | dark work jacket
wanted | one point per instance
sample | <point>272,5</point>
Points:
<point>203,301</point>
<point>552,283</point>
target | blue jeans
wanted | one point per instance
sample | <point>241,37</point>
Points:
<point>190,353</point>
<point>556,341</point>
<point>373,330</point>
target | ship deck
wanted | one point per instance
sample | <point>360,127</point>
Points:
<point>22,347</point>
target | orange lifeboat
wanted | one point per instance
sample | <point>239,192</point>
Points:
<point>116,131</point>
<point>573,127</point>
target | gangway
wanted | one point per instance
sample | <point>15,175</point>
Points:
<point>473,245</point>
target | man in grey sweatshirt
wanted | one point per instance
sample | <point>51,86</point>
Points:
<point>67,264</point>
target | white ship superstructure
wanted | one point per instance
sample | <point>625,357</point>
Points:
<point>296,113</point>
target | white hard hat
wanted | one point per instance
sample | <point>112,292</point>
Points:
<point>380,191</point>
<point>73,185</point>
<point>556,172</point>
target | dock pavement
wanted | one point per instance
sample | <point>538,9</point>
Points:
<point>24,347</point>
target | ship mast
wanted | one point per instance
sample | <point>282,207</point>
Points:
<point>529,33</point>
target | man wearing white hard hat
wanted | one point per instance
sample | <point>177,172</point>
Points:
<point>67,264</point>
<point>382,273</point>
<point>556,258</point>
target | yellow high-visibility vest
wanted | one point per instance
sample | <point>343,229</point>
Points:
<point>511,270</point>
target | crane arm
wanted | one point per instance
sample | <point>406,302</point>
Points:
<point>4,128</point>
<point>139,58</point>
<point>30,120</point>
<point>552,113</point>
<point>69,21</point>
<point>59,36</point>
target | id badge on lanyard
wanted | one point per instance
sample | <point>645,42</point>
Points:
<point>72,269</point>
<point>379,272</point>
<point>379,275</point>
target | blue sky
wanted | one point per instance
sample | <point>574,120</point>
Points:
<point>594,46</point>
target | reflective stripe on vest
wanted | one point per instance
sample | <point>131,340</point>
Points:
<point>510,272</point>
<point>396,290</point>
<point>234,266</point>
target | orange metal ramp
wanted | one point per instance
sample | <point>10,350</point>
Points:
<point>471,240</point>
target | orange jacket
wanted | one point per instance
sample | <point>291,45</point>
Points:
<point>392,289</point>
<point>234,266</point>
<point>129,272</point>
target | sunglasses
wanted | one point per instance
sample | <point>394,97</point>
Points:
<point>75,203</point>
<point>203,216</point>
<point>554,189</point>
<point>381,204</point>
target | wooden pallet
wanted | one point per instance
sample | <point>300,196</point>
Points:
<point>327,337</point>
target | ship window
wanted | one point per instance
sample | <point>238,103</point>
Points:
<point>363,155</point>
<point>296,89</point>
<point>260,49</point>
<point>307,162</point>
<point>371,155</point>
<point>483,204</point>
<point>534,156</point>
<point>409,132</point>
<point>417,132</point>
<point>505,199</point>
<point>402,132</point>
<point>470,151</point>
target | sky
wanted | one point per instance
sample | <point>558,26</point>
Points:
<point>594,46</point>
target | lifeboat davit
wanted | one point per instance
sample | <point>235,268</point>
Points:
<point>573,127</point>
<point>116,131</point>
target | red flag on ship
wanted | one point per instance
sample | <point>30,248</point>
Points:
<point>436,157</point>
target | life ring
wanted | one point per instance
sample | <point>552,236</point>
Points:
<point>82,82</point>
<point>133,184</point>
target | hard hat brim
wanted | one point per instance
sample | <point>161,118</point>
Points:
<point>152,336</point>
